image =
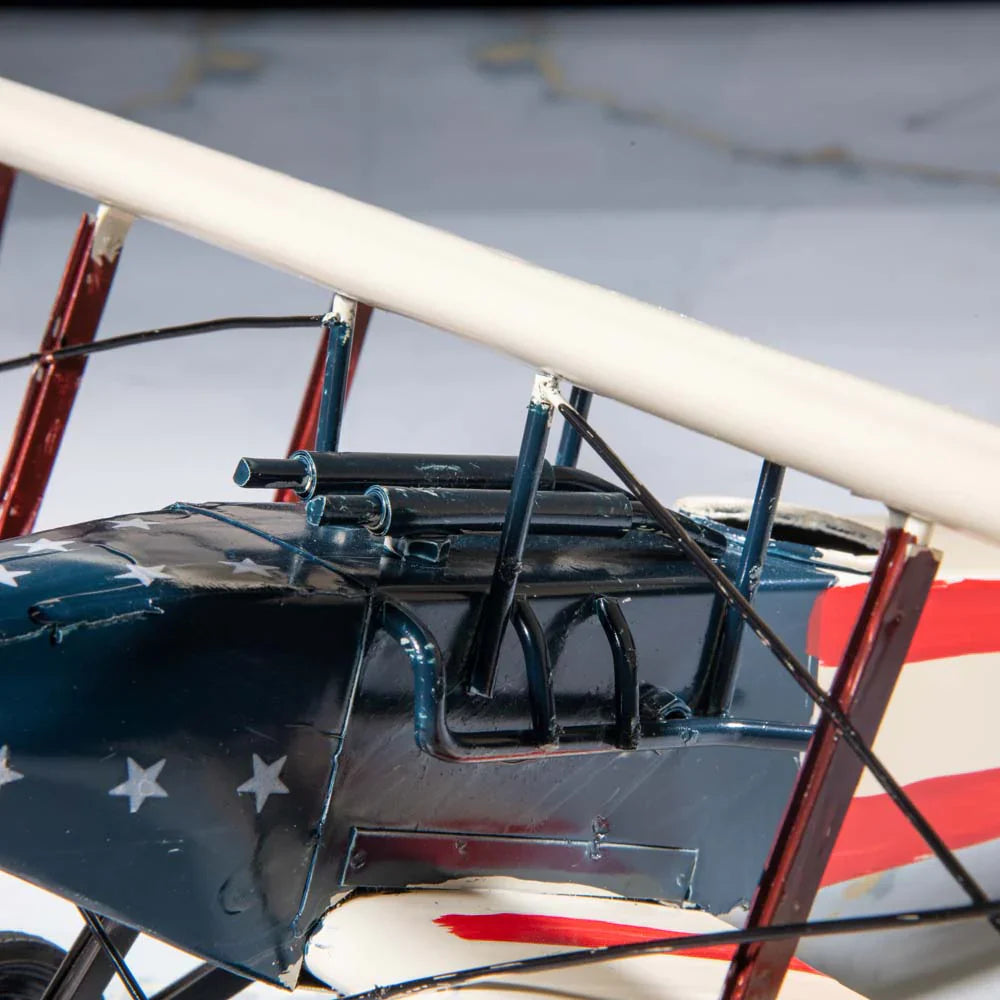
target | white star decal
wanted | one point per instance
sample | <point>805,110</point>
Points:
<point>42,545</point>
<point>265,781</point>
<point>8,577</point>
<point>247,566</point>
<point>144,574</point>
<point>7,773</point>
<point>141,784</point>
<point>133,522</point>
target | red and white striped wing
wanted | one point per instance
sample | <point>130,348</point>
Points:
<point>380,939</point>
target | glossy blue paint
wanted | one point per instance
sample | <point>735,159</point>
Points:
<point>334,395</point>
<point>259,634</point>
<point>495,612</point>
<point>569,441</point>
<point>748,575</point>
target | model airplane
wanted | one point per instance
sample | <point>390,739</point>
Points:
<point>486,722</point>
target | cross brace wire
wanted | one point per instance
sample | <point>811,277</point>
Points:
<point>784,655</point>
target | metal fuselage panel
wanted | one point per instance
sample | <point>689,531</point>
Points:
<point>133,715</point>
<point>207,736</point>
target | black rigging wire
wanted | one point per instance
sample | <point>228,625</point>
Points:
<point>634,949</point>
<point>784,655</point>
<point>114,955</point>
<point>161,333</point>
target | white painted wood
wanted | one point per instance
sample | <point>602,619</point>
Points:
<point>877,442</point>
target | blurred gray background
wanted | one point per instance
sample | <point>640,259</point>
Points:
<point>823,180</point>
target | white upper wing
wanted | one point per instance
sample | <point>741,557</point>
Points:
<point>915,456</point>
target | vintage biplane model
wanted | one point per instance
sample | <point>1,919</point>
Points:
<point>490,723</point>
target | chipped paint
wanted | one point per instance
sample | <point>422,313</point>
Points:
<point>110,229</point>
<point>546,390</point>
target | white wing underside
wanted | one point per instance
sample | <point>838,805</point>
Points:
<point>379,939</point>
<point>915,456</point>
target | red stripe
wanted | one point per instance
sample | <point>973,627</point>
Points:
<point>960,618</point>
<point>572,932</point>
<point>963,808</point>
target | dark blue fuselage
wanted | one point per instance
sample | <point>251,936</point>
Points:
<point>209,733</point>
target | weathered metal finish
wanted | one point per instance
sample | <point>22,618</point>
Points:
<point>569,442</point>
<point>436,737</point>
<point>52,388</point>
<point>304,434</point>
<point>310,473</point>
<point>7,176</point>
<point>397,858</point>
<point>318,472</point>
<point>86,970</point>
<point>339,337</point>
<point>404,511</point>
<point>496,607</point>
<point>825,784</point>
<point>214,661</point>
<point>258,635</point>
<point>724,655</point>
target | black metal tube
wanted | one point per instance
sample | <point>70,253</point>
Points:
<point>569,442</point>
<point>348,510</point>
<point>495,611</point>
<point>434,736</point>
<point>86,969</point>
<point>626,672</point>
<point>338,363</point>
<point>410,510</point>
<point>354,472</point>
<point>538,667</point>
<point>111,950</point>
<point>271,474</point>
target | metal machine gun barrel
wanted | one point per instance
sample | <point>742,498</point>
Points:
<point>316,473</point>
<point>404,511</point>
<point>271,474</point>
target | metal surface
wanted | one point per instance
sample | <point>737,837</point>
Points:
<point>496,607</point>
<point>307,421</point>
<point>257,635</point>
<point>310,473</point>
<point>397,858</point>
<point>723,655</point>
<point>183,641</point>
<point>862,687</point>
<point>647,357</point>
<point>786,657</point>
<point>87,969</point>
<point>627,723</point>
<point>569,441</point>
<point>436,737</point>
<point>404,511</point>
<point>52,387</point>
<point>339,325</point>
